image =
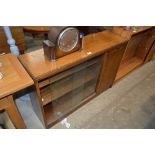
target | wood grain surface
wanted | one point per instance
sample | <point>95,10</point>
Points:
<point>15,77</point>
<point>93,45</point>
<point>120,30</point>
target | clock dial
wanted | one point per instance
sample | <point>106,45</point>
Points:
<point>68,39</point>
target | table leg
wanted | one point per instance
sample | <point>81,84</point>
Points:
<point>12,110</point>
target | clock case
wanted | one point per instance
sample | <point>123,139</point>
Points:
<point>52,49</point>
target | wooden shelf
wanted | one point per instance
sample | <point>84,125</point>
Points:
<point>57,109</point>
<point>137,50</point>
<point>60,88</point>
<point>127,67</point>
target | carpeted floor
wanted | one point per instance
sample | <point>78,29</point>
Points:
<point>130,103</point>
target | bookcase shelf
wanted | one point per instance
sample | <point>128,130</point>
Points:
<point>56,110</point>
<point>137,50</point>
<point>127,67</point>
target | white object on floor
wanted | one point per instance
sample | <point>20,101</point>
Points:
<point>64,122</point>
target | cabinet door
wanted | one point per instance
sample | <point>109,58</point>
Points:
<point>70,89</point>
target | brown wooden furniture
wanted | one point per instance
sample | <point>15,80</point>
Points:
<point>9,106</point>
<point>139,50</point>
<point>36,29</point>
<point>66,84</point>
<point>15,79</point>
<point>18,35</point>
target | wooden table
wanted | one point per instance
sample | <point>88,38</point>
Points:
<point>15,79</point>
<point>106,46</point>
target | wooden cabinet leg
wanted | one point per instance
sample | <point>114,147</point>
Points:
<point>12,110</point>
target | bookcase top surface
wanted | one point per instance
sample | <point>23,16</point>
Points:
<point>120,30</point>
<point>39,67</point>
